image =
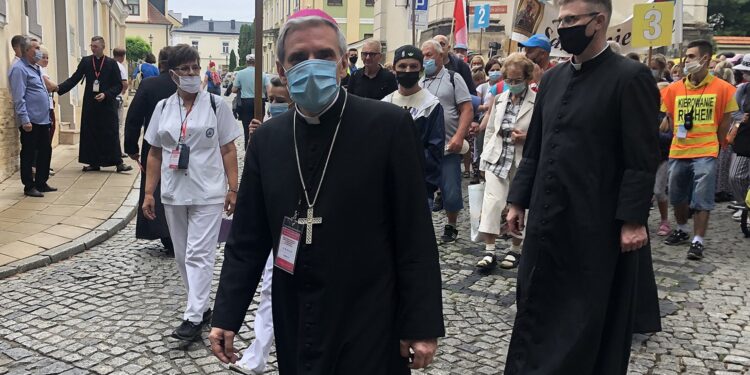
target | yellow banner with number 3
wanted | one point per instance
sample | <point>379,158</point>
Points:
<point>652,24</point>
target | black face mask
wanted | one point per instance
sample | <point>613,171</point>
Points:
<point>407,79</point>
<point>574,40</point>
<point>353,60</point>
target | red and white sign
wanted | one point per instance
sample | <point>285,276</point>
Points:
<point>499,9</point>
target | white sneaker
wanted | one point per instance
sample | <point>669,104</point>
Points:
<point>737,216</point>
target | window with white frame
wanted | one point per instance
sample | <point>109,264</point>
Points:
<point>224,47</point>
<point>31,12</point>
<point>134,7</point>
<point>3,13</point>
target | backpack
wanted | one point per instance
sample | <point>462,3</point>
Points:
<point>741,145</point>
<point>216,78</point>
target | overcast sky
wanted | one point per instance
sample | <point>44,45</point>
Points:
<point>219,10</point>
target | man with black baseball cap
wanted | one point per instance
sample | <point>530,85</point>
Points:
<point>425,109</point>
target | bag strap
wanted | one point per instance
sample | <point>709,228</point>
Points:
<point>213,103</point>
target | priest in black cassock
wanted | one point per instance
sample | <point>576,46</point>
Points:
<point>149,93</point>
<point>100,126</point>
<point>365,289</point>
<point>585,282</point>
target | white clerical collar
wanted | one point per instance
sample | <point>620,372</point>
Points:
<point>316,119</point>
<point>578,66</point>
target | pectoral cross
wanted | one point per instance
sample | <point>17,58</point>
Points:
<point>309,221</point>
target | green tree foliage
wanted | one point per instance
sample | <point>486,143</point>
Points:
<point>136,48</point>
<point>729,17</point>
<point>232,61</point>
<point>247,41</point>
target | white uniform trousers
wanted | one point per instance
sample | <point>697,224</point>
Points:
<point>256,356</point>
<point>195,232</point>
<point>494,202</point>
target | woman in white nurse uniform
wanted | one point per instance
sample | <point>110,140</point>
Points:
<point>192,152</point>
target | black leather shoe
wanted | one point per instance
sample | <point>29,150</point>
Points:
<point>46,188</point>
<point>122,167</point>
<point>207,316</point>
<point>33,192</point>
<point>187,331</point>
<point>91,168</point>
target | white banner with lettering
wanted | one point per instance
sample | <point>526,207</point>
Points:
<point>535,17</point>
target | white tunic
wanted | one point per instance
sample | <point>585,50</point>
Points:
<point>204,181</point>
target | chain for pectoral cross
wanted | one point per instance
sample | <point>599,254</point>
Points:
<point>310,219</point>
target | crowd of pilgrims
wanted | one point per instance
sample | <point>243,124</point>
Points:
<point>566,156</point>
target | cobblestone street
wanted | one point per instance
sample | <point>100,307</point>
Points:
<point>111,310</point>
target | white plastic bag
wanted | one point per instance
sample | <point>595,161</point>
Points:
<point>476,196</point>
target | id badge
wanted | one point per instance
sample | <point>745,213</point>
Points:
<point>95,86</point>
<point>286,256</point>
<point>174,158</point>
<point>681,132</point>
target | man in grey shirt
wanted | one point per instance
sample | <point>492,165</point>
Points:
<point>455,98</point>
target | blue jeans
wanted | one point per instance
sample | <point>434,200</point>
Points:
<point>450,182</point>
<point>696,176</point>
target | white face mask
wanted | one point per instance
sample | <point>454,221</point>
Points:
<point>189,84</point>
<point>693,67</point>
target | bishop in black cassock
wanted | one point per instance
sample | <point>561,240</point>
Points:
<point>371,275</point>
<point>588,167</point>
<point>100,129</point>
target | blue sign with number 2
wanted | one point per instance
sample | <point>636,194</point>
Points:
<point>482,16</point>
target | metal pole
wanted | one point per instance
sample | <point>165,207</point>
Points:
<point>481,34</point>
<point>258,29</point>
<point>414,22</point>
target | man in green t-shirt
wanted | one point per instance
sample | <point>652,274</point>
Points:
<point>244,86</point>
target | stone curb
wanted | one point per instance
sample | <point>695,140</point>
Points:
<point>101,233</point>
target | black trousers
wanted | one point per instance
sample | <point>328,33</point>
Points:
<point>247,113</point>
<point>35,144</point>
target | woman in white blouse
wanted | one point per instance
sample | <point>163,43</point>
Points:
<point>506,127</point>
<point>192,135</point>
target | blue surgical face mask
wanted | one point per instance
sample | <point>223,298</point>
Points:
<point>495,76</point>
<point>38,55</point>
<point>313,84</point>
<point>429,67</point>
<point>275,109</point>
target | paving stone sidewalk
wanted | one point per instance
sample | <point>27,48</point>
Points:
<point>88,208</point>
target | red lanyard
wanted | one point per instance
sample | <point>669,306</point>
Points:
<point>183,130</point>
<point>100,66</point>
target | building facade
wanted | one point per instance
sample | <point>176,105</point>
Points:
<point>391,24</point>
<point>214,40</point>
<point>148,19</point>
<point>354,17</point>
<point>65,28</point>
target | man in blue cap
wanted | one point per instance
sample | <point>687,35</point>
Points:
<point>537,49</point>
<point>461,51</point>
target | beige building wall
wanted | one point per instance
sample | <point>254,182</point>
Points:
<point>65,28</point>
<point>355,19</point>
<point>210,46</point>
<point>156,35</point>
